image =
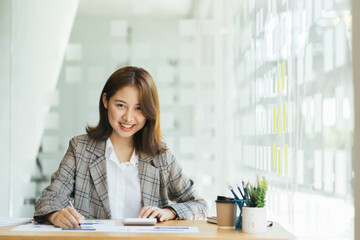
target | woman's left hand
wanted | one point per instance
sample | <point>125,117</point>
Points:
<point>155,212</point>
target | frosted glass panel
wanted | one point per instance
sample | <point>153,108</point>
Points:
<point>118,28</point>
<point>293,74</point>
<point>73,52</point>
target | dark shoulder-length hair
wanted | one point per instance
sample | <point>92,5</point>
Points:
<point>148,139</point>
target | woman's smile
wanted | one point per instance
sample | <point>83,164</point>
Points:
<point>126,127</point>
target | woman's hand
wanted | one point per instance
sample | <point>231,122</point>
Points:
<point>155,212</point>
<point>66,218</point>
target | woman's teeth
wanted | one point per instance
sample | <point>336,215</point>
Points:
<point>126,125</point>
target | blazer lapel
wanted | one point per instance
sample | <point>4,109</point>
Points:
<point>149,182</point>
<point>97,170</point>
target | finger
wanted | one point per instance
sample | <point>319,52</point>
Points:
<point>58,223</point>
<point>64,223</point>
<point>155,213</point>
<point>81,218</point>
<point>145,212</point>
<point>78,217</point>
<point>162,216</point>
<point>70,218</point>
<point>142,211</point>
<point>149,211</point>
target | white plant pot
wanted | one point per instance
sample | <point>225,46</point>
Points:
<point>254,220</point>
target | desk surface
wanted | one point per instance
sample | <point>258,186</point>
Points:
<point>207,231</point>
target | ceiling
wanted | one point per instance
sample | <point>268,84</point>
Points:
<point>134,8</point>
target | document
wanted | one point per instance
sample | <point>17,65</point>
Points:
<point>88,225</point>
<point>4,221</point>
<point>38,228</point>
<point>108,226</point>
<point>155,229</point>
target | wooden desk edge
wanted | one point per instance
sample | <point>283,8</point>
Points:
<point>207,231</point>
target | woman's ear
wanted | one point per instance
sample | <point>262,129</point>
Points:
<point>104,100</point>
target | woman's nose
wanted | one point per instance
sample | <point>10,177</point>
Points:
<point>128,115</point>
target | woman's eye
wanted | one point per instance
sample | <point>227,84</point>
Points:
<point>138,108</point>
<point>120,105</point>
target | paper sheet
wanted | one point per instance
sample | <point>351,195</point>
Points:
<point>152,229</point>
<point>33,227</point>
<point>4,221</point>
<point>88,225</point>
<point>108,226</point>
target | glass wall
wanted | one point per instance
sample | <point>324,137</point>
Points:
<point>294,116</point>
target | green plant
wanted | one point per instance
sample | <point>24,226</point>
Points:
<point>257,193</point>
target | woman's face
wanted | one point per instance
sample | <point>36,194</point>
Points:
<point>124,113</point>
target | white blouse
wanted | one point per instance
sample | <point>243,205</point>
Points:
<point>123,184</point>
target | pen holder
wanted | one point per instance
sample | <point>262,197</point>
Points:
<point>240,203</point>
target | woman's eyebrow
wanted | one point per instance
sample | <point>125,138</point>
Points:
<point>119,100</point>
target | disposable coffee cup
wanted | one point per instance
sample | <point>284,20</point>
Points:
<point>225,211</point>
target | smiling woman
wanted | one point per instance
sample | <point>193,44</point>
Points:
<point>124,113</point>
<point>139,89</point>
<point>121,168</point>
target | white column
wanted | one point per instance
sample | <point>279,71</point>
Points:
<point>5,70</point>
<point>40,30</point>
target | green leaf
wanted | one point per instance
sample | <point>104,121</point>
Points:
<point>257,195</point>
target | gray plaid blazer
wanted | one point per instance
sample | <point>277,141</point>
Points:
<point>81,178</point>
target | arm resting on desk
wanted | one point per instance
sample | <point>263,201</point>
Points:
<point>188,204</point>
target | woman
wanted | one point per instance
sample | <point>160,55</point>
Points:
<point>120,168</point>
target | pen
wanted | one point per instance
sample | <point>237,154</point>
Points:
<point>74,209</point>
<point>245,190</point>
<point>242,195</point>
<point>71,205</point>
<point>231,189</point>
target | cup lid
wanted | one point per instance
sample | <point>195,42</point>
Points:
<point>222,199</point>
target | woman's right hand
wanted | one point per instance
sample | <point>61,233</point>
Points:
<point>66,218</point>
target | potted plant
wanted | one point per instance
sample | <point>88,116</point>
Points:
<point>254,213</point>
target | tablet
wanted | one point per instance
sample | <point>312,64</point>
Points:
<point>139,221</point>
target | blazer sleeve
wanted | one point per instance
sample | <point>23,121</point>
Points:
<point>186,201</point>
<point>61,189</point>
